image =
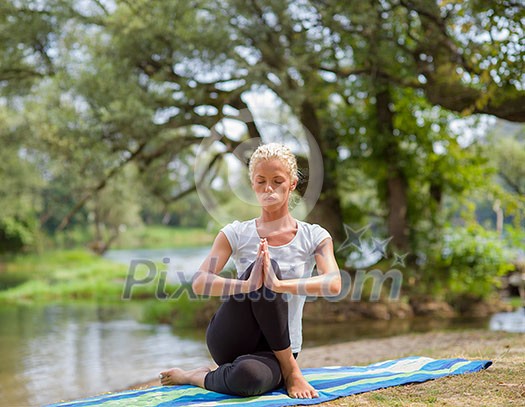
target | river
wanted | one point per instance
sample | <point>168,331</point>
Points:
<point>59,352</point>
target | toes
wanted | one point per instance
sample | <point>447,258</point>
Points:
<point>165,379</point>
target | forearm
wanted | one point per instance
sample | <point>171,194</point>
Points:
<point>325,285</point>
<point>210,284</point>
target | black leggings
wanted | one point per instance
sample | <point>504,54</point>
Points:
<point>241,338</point>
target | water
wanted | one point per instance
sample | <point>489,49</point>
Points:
<point>61,352</point>
<point>509,321</point>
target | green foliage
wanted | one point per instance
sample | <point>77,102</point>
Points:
<point>471,261</point>
<point>26,32</point>
<point>11,279</point>
<point>181,312</point>
<point>104,107</point>
<point>60,275</point>
<point>156,236</point>
<point>16,234</point>
<point>20,186</point>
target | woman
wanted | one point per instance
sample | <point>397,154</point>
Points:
<point>255,335</point>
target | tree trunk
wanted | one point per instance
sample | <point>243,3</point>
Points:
<point>396,182</point>
<point>327,211</point>
<point>397,210</point>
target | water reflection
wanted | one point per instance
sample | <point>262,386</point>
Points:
<point>58,352</point>
<point>509,321</point>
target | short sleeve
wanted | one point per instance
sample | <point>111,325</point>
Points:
<point>318,235</point>
<point>230,230</point>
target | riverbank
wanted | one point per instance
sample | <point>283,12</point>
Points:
<point>500,385</point>
<point>65,269</point>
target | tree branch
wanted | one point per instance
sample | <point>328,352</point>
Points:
<point>516,187</point>
<point>89,194</point>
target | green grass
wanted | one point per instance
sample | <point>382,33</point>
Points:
<point>516,302</point>
<point>69,275</point>
<point>157,236</point>
<point>60,275</point>
<point>72,272</point>
<point>74,275</point>
<point>144,237</point>
<point>180,313</point>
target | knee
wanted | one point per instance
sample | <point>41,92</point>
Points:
<point>248,378</point>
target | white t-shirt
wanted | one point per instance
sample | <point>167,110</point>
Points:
<point>296,260</point>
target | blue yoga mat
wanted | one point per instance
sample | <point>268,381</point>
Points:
<point>330,382</point>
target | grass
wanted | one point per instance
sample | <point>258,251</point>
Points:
<point>71,275</point>
<point>77,273</point>
<point>59,275</point>
<point>157,236</point>
<point>516,302</point>
<point>500,385</point>
<point>144,237</point>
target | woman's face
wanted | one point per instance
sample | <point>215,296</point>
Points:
<point>271,182</point>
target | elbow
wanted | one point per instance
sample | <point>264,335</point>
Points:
<point>197,283</point>
<point>335,284</point>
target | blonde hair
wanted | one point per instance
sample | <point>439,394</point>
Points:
<point>274,150</point>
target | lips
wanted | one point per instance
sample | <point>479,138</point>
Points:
<point>270,198</point>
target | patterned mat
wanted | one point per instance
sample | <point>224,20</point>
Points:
<point>330,382</point>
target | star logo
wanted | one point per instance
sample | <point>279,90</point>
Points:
<point>353,237</point>
<point>399,259</point>
<point>380,246</point>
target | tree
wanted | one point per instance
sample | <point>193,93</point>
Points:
<point>20,188</point>
<point>153,81</point>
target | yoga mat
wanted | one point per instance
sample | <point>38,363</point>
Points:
<point>330,382</point>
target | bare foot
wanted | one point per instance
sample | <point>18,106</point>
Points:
<point>298,387</point>
<point>178,376</point>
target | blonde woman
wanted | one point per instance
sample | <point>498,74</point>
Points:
<point>256,334</point>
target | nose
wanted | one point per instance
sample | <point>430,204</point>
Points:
<point>268,187</point>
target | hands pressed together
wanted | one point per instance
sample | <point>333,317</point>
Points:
<point>263,272</point>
